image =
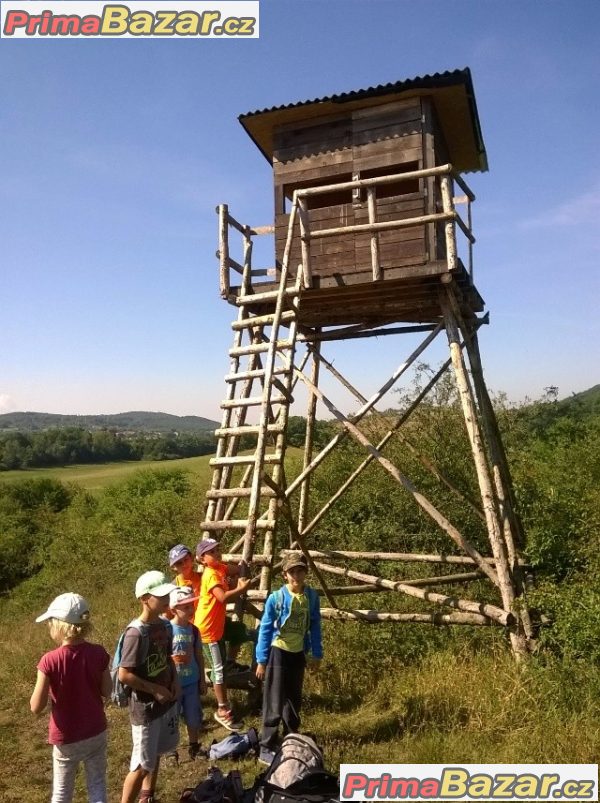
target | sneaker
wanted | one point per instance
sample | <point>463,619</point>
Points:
<point>266,756</point>
<point>224,716</point>
<point>172,759</point>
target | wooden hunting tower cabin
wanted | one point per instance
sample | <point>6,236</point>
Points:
<point>373,238</point>
<point>363,165</point>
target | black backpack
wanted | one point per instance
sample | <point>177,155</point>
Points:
<point>216,788</point>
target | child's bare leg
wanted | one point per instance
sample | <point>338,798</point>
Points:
<point>149,782</point>
<point>133,784</point>
<point>221,694</point>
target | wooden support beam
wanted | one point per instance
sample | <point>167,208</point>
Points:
<point>360,332</point>
<point>437,618</point>
<point>363,410</point>
<point>409,557</point>
<point>495,534</point>
<point>401,479</point>
<point>297,538</point>
<point>260,596</point>
<point>311,413</point>
<point>499,615</point>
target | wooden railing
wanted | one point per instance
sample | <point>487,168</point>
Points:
<point>444,177</point>
<point>445,174</point>
<point>227,263</point>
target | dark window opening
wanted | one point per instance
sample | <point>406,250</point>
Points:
<point>396,188</point>
<point>324,199</point>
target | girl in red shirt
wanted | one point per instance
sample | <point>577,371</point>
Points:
<point>75,677</point>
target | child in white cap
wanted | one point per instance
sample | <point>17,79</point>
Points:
<point>75,676</point>
<point>187,655</point>
<point>147,668</point>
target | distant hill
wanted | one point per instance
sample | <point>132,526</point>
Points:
<point>588,401</point>
<point>135,421</point>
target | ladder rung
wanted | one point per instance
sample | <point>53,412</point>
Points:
<point>262,320</point>
<point>256,373</point>
<point>251,401</point>
<point>238,493</point>
<point>247,429</point>
<point>243,460</point>
<point>237,524</point>
<point>269,295</point>
<point>258,348</point>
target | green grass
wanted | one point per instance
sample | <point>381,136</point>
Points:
<point>96,477</point>
<point>383,694</point>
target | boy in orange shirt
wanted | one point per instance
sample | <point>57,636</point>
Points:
<point>210,620</point>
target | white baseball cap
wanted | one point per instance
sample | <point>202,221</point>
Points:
<point>154,583</point>
<point>69,607</point>
<point>182,595</point>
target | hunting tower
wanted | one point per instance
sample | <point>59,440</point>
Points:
<point>369,242</point>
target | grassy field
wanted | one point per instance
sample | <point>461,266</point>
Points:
<point>384,693</point>
<point>96,477</point>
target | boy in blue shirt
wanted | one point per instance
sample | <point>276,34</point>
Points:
<point>187,656</point>
<point>290,627</point>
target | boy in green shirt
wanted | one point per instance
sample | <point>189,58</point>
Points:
<point>290,628</point>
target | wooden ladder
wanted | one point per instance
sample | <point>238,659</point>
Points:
<point>270,363</point>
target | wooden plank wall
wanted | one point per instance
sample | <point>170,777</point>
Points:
<point>381,139</point>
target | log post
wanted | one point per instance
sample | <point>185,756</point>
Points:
<point>223,212</point>
<point>495,533</point>
<point>309,439</point>
<point>372,209</point>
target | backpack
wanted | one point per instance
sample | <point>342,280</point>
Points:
<point>119,693</point>
<point>216,788</point>
<point>297,773</point>
<point>318,786</point>
<point>234,745</point>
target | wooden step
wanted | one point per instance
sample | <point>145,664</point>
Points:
<point>243,460</point>
<point>247,429</point>
<point>269,295</point>
<point>259,348</point>
<point>256,373</point>
<point>262,320</point>
<point>237,524</point>
<point>238,493</point>
<point>251,401</point>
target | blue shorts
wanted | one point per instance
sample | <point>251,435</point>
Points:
<point>190,708</point>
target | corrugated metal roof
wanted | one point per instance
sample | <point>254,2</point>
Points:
<point>258,123</point>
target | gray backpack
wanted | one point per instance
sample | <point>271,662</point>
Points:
<point>297,758</point>
<point>120,693</point>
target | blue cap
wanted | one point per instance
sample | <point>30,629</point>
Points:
<point>177,553</point>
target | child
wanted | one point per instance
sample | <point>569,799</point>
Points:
<point>210,620</point>
<point>290,627</point>
<point>187,655</point>
<point>76,677</point>
<point>181,562</point>
<point>147,668</point>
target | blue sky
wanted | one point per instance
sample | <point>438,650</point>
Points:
<point>114,154</point>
